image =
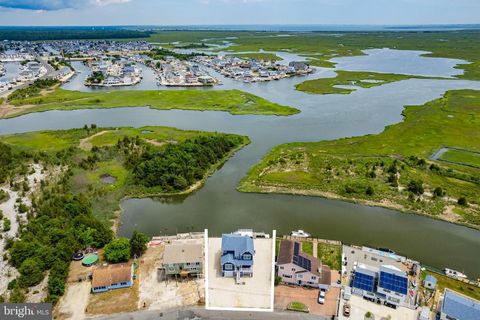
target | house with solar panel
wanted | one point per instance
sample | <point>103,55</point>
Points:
<point>380,276</point>
<point>299,268</point>
<point>456,306</point>
<point>237,255</point>
<point>387,283</point>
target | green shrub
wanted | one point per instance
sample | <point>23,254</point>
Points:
<point>31,273</point>
<point>118,250</point>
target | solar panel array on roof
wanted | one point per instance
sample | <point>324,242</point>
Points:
<point>296,249</point>
<point>393,282</point>
<point>304,263</point>
<point>364,281</point>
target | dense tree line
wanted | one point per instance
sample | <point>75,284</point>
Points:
<point>11,162</point>
<point>181,165</point>
<point>62,34</point>
<point>63,224</point>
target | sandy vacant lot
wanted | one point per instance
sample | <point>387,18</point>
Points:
<point>360,306</point>
<point>73,303</point>
<point>255,293</point>
<point>163,295</point>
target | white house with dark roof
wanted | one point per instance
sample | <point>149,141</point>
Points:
<point>297,267</point>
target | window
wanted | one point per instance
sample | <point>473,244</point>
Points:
<point>228,266</point>
<point>281,268</point>
<point>314,278</point>
<point>374,259</point>
<point>247,256</point>
<point>300,276</point>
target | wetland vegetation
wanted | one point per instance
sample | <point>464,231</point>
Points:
<point>391,169</point>
<point>350,78</point>
<point>232,101</point>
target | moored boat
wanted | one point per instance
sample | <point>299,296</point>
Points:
<point>299,234</point>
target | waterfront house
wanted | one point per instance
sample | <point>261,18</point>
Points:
<point>237,255</point>
<point>114,276</point>
<point>381,276</point>
<point>456,306</point>
<point>297,267</point>
<point>183,258</point>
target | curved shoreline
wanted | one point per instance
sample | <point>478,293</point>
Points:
<point>332,196</point>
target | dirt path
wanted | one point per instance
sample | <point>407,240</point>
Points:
<point>85,144</point>
<point>74,302</point>
<point>156,143</point>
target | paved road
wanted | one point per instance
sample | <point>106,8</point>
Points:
<point>198,313</point>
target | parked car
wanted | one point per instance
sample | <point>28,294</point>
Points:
<point>321,296</point>
<point>346,310</point>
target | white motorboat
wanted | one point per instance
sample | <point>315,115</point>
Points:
<point>299,234</point>
<point>454,273</point>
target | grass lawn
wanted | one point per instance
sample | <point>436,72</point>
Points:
<point>331,255</point>
<point>462,156</point>
<point>297,306</point>
<point>307,247</point>
<point>379,169</point>
<point>445,282</point>
<point>232,101</point>
<point>45,140</point>
<point>359,79</point>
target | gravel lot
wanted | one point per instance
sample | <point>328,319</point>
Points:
<point>286,294</point>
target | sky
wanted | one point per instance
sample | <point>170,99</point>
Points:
<point>212,12</point>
